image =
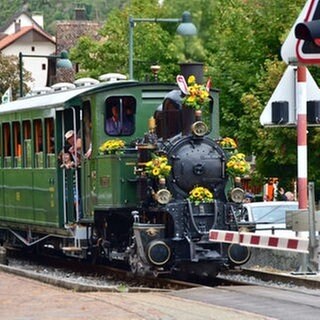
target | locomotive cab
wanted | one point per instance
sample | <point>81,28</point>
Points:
<point>173,118</point>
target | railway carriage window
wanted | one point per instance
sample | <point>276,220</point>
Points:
<point>49,135</point>
<point>38,143</point>
<point>17,144</point>
<point>120,116</point>
<point>26,132</point>
<point>87,130</point>
<point>6,136</point>
<point>49,142</point>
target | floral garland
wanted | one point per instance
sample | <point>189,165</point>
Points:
<point>200,194</point>
<point>237,165</point>
<point>111,146</point>
<point>158,167</point>
<point>198,95</point>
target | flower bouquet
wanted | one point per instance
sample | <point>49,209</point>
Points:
<point>237,165</point>
<point>158,167</point>
<point>111,146</point>
<point>197,97</point>
<point>200,195</point>
<point>228,143</point>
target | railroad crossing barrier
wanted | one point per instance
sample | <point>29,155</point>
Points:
<point>250,239</point>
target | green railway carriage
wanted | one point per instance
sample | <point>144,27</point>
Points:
<point>107,206</point>
<point>32,135</point>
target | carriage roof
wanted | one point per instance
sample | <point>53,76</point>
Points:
<point>59,97</point>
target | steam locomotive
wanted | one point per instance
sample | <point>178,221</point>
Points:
<point>116,205</point>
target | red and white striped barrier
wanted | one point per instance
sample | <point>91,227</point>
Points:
<point>250,239</point>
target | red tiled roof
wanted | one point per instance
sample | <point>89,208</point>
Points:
<point>6,41</point>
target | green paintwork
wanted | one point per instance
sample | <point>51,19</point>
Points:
<point>115,181</point>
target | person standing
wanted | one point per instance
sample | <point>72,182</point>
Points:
<point>74,148</point>
<point>285,196</point>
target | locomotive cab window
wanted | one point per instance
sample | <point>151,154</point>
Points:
<point>120,116</point>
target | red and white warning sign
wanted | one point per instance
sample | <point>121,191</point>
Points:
<point>250,239</point>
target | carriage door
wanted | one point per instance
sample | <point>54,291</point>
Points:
<point>70,164</point>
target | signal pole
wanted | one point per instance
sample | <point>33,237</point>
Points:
<point>301,93</point>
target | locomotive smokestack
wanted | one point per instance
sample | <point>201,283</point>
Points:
<point>192,68</point>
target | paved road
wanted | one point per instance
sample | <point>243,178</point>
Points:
<point>26,299</point>
<point>275,303</point>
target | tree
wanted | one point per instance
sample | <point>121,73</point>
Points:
<point>154,43</point>
<point>10,74</point>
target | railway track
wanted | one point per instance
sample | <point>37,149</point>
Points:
<point>80,276</point>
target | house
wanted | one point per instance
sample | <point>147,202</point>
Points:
<point>24,33</point>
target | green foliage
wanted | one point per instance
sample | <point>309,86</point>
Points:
<point>60,9</point>
<point>9,75</point>
<point>152,45</point>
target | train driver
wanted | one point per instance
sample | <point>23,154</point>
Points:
<point>116,125</point>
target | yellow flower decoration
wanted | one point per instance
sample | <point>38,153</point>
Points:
<point>237,165</point>
<point>158,167</point>
<point>228,143</point>
<point>200,194</point>
<point>198,96</point>
<point>111,146</point>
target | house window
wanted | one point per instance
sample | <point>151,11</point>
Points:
<point>43,66</point>
<point>33,49</point>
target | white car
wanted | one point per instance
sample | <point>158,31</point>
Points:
<point>269,217</point>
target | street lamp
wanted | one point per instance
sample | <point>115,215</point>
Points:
<point>185,28</point>
<point>63,62</point>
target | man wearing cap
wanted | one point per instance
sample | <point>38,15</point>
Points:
<point>75,146</point>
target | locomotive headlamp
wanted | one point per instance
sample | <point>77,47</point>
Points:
<point>237,195</point>
<point>158,252</point>
<point>199,128</point>
<point>163,196</point>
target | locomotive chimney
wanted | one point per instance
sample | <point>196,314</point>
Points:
<point>192,68</point>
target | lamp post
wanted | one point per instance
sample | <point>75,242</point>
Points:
<point>185,28</point>
<point>63,62</point>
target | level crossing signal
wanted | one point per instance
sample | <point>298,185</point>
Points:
<point>307,34</point>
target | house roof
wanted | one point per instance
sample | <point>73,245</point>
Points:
<point>13,18</point>
<point>6,41</point>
